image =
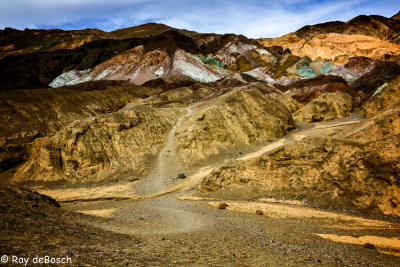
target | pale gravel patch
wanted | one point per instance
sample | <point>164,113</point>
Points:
<point>106,213</point>
<point>385,245</point>
<point>335,220</point>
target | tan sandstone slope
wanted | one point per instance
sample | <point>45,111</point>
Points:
<point>241,117</point>
<point>106,146</point>
<point>30,114</point>
<point>125,143</point>
<point>325,107</point>
<point>338,48</point>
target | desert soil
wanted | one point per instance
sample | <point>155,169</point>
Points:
<point>164,221</point>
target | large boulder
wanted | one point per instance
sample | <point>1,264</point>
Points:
<point>325,107</point>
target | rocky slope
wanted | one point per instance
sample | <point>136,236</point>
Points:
<point>111,146</point>
<point>125,143</point>
<point>383,73</point>
<point>360,171</point>
<point>270,133</point>
<point>15,42</point>
<point>31,114</point>
<point>178,61</point>
<point>35,70</point>
<point>241,117</point>
<point>33,223</point>
<point>387,96</point>
<point>74,57</point>
<point>308,89</point>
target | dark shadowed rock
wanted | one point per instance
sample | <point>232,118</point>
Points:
<point>384,72</point>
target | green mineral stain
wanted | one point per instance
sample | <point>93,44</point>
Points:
<point>210,61</point>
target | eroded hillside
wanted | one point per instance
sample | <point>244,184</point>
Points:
<point>147,129</point>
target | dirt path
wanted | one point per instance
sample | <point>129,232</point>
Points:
<point>166,167</point>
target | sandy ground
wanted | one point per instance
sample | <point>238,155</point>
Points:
<point>176,228</point>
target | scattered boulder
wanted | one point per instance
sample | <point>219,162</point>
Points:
<point>222,205</point>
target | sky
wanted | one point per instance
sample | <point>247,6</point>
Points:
<point>253,18</point>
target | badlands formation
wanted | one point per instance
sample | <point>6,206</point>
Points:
<point>158,146</point>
